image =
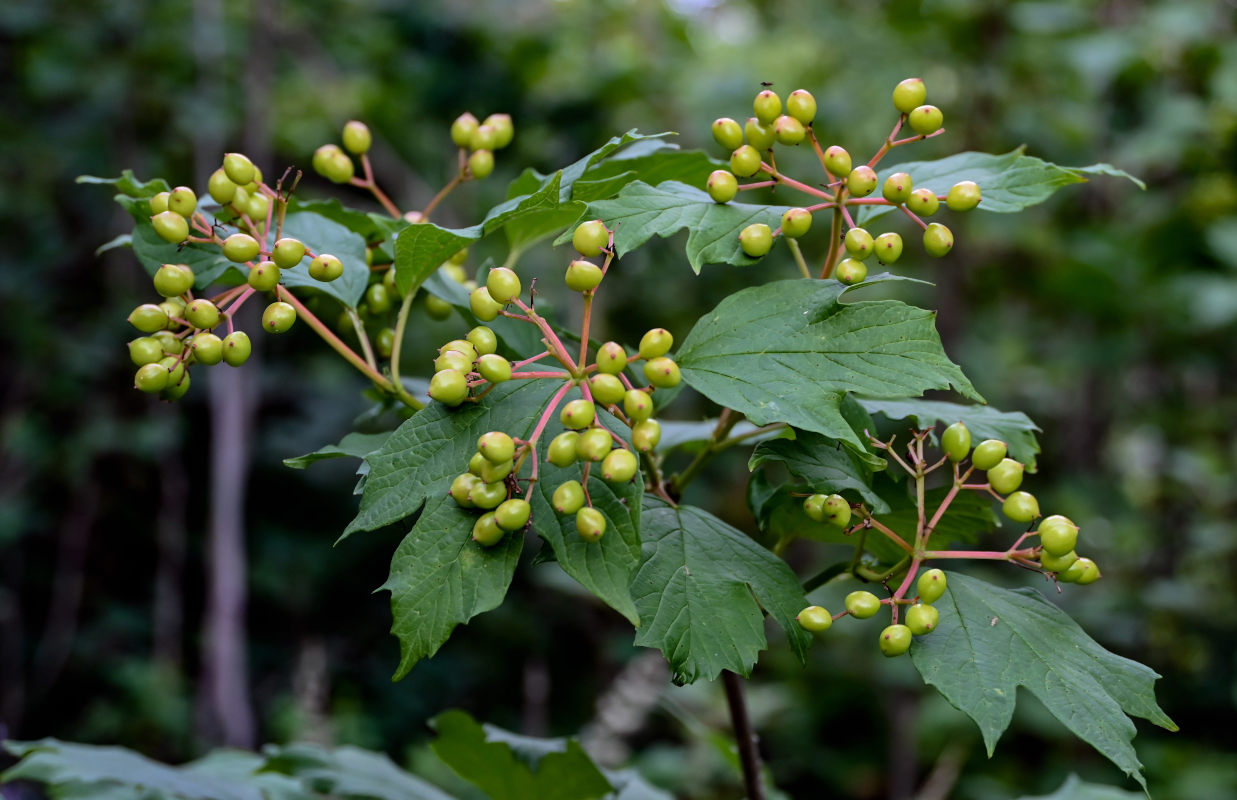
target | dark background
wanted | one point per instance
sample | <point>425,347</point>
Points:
<point>1107,314</point>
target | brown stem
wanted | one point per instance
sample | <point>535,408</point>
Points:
<point>442,193</point>
<point>745,736</point>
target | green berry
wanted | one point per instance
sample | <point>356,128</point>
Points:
<point>483,339</point>
<point>504,129</point>
<point>788,130</point>
<point>236,348</point>
<point>436,307</point>
<point>513,514</point>
<point>611,358</point>
<point>504,284</point>
<point>582,276</point>
<point>173,280</point>
<point>851,271</point>
<point>956,441</point>
<point>837,511</point>
<point>486,531</point>
<point>453,359</point>
<point>460,488</point>
<point>264,277</point>
<point>326,268</point>
<point>578,414</point>
<point>496,446</point>
<point>637,405</point>
<point>174,307</point>
<point>619,466</point>
<point>568,497</point>
<point>239,169</point>
<point>988,454</point>
<point>171,345</point>
<point>484,137</point>
<point>175,390</point>
<point>931,585</point>
<point>487,495</point>
<point>258,207</point>
<point>288,252</point>
<point>590,238</point>
<point>151,378</point>
<point>491,473</point>
<point>796,222</point>
<point>1021,507</point>
<point>858,243</point>
<point>449,387</point>
<point>1090,572</point>
<point>220,187</point>
<point>645,435</point>
<point>170,226</point>
<point>767,106</point>
<point>1006,476</point>
<point>484,307</point>
<point>656,342</point>
<point>862,605</point>
<point>745,161</point>
<point>356,137</point>
<point>888,247</point>
<point>662,372</point>
<point>923,201</point>
<point>897,188</point>
<point>494,368</point>
<point>207,349</point>
<point>159,203</point>
<point>895,640</point>
<point>590,524</point>
<point>922,618</point>
<point>481,163</point>
<point>562,450</point>
<point>938,240</point>
<point>183,201</point>
<point>278,317</point>
<point>384,342</point>
<point>606,389</point>
<point>175,369</point>
<point>963,196</point>
<point>1058,535</point>
<point>1057,563</point>
<point>722,186</point>
<point>814,506</point>
<point>802,106</point>
<point>837,161</point>
<point>925,119</point>
<point>458,257</point>
<point>759,135</point>
<point>462,129</point>
<point>202,313</point>
<point>727,133</point>
<point>909,95</point>
<point>240,247</point>
<point>756,239</point>
<point>333,164</point>
<point>861,181</point>
<point>145,350</point>
<point>594,444</point>
<point>378,299</point>
<point>815,618</point>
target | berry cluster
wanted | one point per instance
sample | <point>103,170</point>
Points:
<point>481,139</point>
<point>895,639</point>
<point>490,485</point>
<point>848,186</point>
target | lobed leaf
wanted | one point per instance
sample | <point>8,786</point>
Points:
<point>348,772</point>
<point>356,445</point>
<point>824,465</point>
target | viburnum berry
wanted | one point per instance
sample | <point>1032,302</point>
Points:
<point>745,161</point>
<point>1058,535</point>
<point>202,313</point>
<point>484,307</point>
<point>895,640</point>
<point>483,340</point>
<point>1006,476</point>
<point>956,441</point>
<point>909,95</point>
<point>258,207</point>
<point>837,161</point>
<point>159,203</point>
<point>436,307</point>
<point>239,169</point>
<point>288,252</point>
<point>278,317</point>
<point>655,342</point>
<point>171,344</point>
<point>1057,563</point>
<point>619,466</point>
<point>504,129</point>
<point>488,471</point>
<point>568,498</point>
<point>922,618</point>
<point>801,105</point>
<point>938,240</point>
<point>174,308</point>
<point>481,163</point>
<point>264,276</point>
<point>858,243</point>
<point>488,495</point>
<point>814,506</point>
<point>646,435</point>
<point>931,585</point>
<point>220,187</point>
<point>462,345</point>
<point>815,619</point>
<point>925,119</point>
<point>453,359</point>
<point>175,368</point>
<point>151,378</point>
<point>988,454</point>
<point>240,247</point>
<point>722,186</point>
<point>562,451</point>
<point>662,372</point>
<point>788,130</point>
<point>378,299</point>
<point>504,284</point>
<point>462,129</point>
<point>333,164</point>
<point>898,187</point>
<point>637,405</point>
<point>172,280</point>
<point>484,137</point>
<point>356,137</point>
<point>756,239</point>
<point>963,196</point>
<point>606,389</point>
<point>594,444</point>
<point>513,514</point>
<point>449,387</point>
<point>326,268</point>
<point>611,358</point>
<point>851,271</point>
<point>590,524</point>
<point>384,342</point>
<point>582,276</point>
<point>494,368</point>
<point>496,446</point>
<point>236,348</point>
<point>145,350</point>
<point>1083,572</point>
<point>862,604</point>
<point>727,133</point>
<point>861,181</point>
<point>183,201</point>
<point>590,238</point>
<point>207,349</point>
<point>888,247</point>
<point>486,531</point>
<point>837,511</point>
<point>578,414</point>
<point>759,135</point>
<point>461,486</point>
<point>1021,507</point>
<point>796,222</point>
<point>175,389</point>
<point>767,106</point>
<point>170,226</point>
<point>923,201</point>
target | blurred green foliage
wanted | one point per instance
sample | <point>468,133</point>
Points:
<point>1107,315</point>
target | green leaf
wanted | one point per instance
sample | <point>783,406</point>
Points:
<point>1008,182</point>
<point>1076,789</point>
<point>128,184</point>
<point>676,433</point>
<point>641,211</point>
<point>532,181</point>
<point>522,338</point>
<point>653,162</point>
<point>322,235</point>
<point>489,763</point>
<point>206,261</point>
<point>985,422</point>
<point>790,351</point>
<point>991,640</point>
<point>356,445</point>
<point>823,464</point>
<point>349,772</point>
<point>700,591</point>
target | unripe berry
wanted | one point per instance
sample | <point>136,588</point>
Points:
<point>1058,535</point>
<point>562,451</point>
<point>236,348</point>
<point>449,386</point>
<point>815,618</point>
<point>220,187</point>
<point>461,487</point>
<point>722,186</point>
<point>239,168</point>
<point>594,444</point>
<point>923,201</point>
<point>582,276</point>
<point>175,369</point>
<point>175,390</point>
<point>496,446</point>
<point>172,280</point>
<point>202,313</point>
<point>963,196</point>
<point>895,640</point>
<point>611,359</point>
<point>814,506</point>
<point>938,240</point>
<point>988,454</point>
<point>862,605</point>
<point>462,345</point>
<point>487,495</point>
<point>861,181</point>
<point>1090,572</point>
<point>888,247</point>
<point>483,340</point>
<point>462,129</point>
<point>656,342</point>
<point>170,226</point>
<point>788,130</point>
<point>484,307</point>
<point>578,414</point>
<point>727,133</point>
<point>637,405</point>
<point>767,106</point>
<point>481,163</point>
<point>494,368</point>
<point>145,350</point>
<point>384,342</point>
<point>590,238</point>
<point>756,239</point>
<point>568,497</point>
<point>278,317</point>
<point>484,137</point>
<point>159,203</point>
<point>745,161</point>
<point>606,389</point>
<point>662,372</point>
<point>759,135</point>
<point>796,222</point>
<point>956,441</point>
<point>258,207</point>
<point>931,585</point>
<point>837,161</point>
<point>171,345</point>
<point>504,284</point>
<point>646,435</point>
<point>174,307</point>
<point>802,106</point>
<point>326,268</point>
<point>513,514</point>
<point>486,531</point>
<point>1021,507</point>
<point>453,359</point>
<point>436,307</point>
<point>590,524</point>
<point>858,243</point>
<point>356,137</point>
<point>240,201</point>
<point>619,466</point>
<point>151,378</point>
<point>909,95</point>
<point>378,299</point>
<point>922,619</point>
<point>491,473</point>
<point>207,349</point>
<point>183,201</point>
<point>897,188</point>
<point>288,252</point>
<point>504,130</point>
<point>264,277</point>
<point>837,511</point>
<point>240,247</point>
<point>925,119</point>
<point>333,164</point>
<point>1006,476</point>
<point>1057,563</point>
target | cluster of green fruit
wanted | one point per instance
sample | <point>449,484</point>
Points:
<point>481,139</point>
<point>921,617</point>
<point>463,363</point>
<point>1058,535</point>
<point>850,183</point>
<point>489,485</point>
